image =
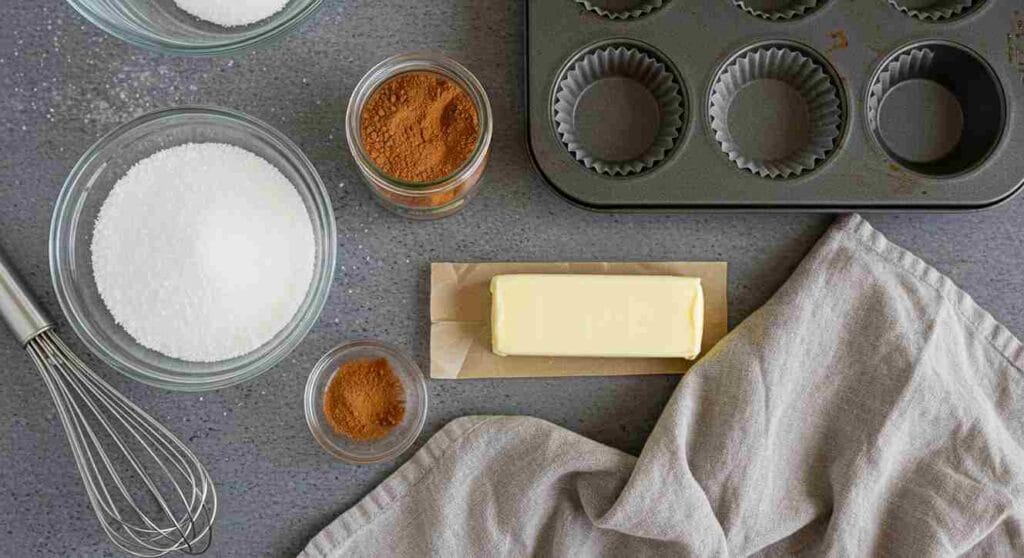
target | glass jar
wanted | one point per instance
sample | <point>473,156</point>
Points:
<point>428,200</point>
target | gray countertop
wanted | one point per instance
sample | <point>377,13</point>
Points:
<point>65,83</point>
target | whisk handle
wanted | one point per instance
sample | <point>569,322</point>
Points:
<point>18,308</point>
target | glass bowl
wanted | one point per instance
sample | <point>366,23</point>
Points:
<point>400,438</point>
<point>161,26</point>
<point>87,188</point>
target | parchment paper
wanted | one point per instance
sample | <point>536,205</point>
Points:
<point>460,313</point>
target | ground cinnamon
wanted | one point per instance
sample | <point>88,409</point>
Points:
<point>419,127</point>
<point>365,399</point>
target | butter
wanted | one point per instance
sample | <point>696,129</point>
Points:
<point>622,316</point>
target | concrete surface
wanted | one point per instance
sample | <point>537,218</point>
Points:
<point>65,83</point>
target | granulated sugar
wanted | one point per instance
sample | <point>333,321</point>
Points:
<point>203,252</point>
<point>232,13</point>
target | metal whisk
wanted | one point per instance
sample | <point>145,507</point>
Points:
<point>151,494</point>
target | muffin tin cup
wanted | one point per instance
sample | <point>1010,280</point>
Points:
<point>936,109</point>
<point>619,110</point>
<point>934,10</point>
<point>775,112</point>
<point>621,9</point>
<point>778,10</point>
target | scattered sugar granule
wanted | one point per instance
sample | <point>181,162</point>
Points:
<point>232,13</point>
<point>203,252</point>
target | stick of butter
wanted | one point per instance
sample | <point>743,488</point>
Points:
<point>622,316</point>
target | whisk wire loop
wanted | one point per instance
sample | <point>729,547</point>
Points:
<point>109,435</point>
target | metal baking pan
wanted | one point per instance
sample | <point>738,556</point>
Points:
<point>806,105</point>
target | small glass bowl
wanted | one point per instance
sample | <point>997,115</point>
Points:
<point>161,26</point>
<point>432,200</point>
<point>400,438</point>
<point>87,188</point>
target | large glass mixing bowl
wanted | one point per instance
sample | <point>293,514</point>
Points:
<point>87,189</point>
<point>162,26</point>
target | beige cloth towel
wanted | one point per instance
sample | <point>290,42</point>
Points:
<point>870,408</point>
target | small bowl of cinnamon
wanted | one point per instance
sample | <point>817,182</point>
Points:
<point>366,402</point>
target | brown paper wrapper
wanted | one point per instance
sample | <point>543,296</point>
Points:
<point>460,314</point>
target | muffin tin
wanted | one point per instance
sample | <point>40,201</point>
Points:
<point>666,105</point>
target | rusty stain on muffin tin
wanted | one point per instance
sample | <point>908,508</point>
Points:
<point>1015,43</point>
<point>954,145</point>
<point>839,41</point>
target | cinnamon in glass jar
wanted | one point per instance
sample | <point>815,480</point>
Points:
<point>419,127</point>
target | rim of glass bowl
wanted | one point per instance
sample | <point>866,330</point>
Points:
<point>420,61</point>
<point>262,32</point>
<point>63,227</point>
<point>327,363</point>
